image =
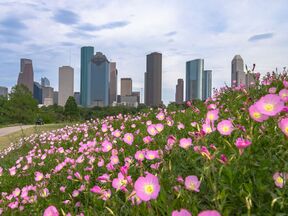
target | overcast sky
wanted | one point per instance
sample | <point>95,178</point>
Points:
<point>52,32</point>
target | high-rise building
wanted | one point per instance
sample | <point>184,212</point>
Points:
<point>113,82</point>
<point>126,86</point>
<point>47,96</point>
<point>3,91</point>
<point>66,84</point>
<point>45,82</point>
<point>194,76</point>
<point>26,75</point>
<point>37,93</point>
<point>55,97</point>
<point>137,94</point>
<point>153,79</point>
<point>99,76</point>
<point>87,54</point>
<point>179,91</point>
<point>77,97</point>
<point>237,71</point>
<point>207,84</point>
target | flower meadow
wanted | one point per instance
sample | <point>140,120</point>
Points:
<point>225,156</point>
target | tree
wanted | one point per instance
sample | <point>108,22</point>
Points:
<point>71,109</point>
<point>21,106</point>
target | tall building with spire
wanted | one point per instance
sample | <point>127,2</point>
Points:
<point>66,84</point>
<point>194,79</point>
<point>26,75</point>
<point>45,82</point>
<point>87,54</point>
<point>153,80</point>
<point>238,75</point>
<point>179,91</point>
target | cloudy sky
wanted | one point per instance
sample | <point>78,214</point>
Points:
<point>52,32</point>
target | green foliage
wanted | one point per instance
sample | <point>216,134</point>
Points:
<point>71,109</point>
<point>21,106</point>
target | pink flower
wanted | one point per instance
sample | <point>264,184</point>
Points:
<point>159,127</point>
<point>209,213</point>
<point>192,183</point>
<point>147,187</point>
<point>256,115</point>
<point>182,212</point>
<point>284,95</point>
<point>116,133</point>
<point>151,129</point>
<point>160,116</point>
<point>185,143</point>
<point>270,104</point>
<point>151,154</point>
<point>140,155</point>
<point>12,171</point>
<point>207,128</point>
<point>272,90</point>
<point>38,176</point>
<point>225,127</point>
<point>280,179</point>
<point>283,125</point>
<point>242,143</point>
<point>128,138</point>
<point>96,189</point>
<point>212,115</point>
<point>120,182</point>
<point>51,211</point>
<point>147,139</point>
<point>106,146</point>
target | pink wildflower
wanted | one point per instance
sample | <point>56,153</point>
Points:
<point>284,95</point>
<point>140,155</point>
<point>147,187</point>
<point>192,183</point>
<point>280,179</point>
<point>212,115</point>
<point>209,213</point>
<point>128,138</point>
<point>283,125</point>
<point>151,129</point>
<point>106,146</point>
<point>225,127</point>
<point>270,104</point>
<point>51,211</point>
<point>185,143</point>
<point>151,154</point>
<point>182,212</point>
<point>242,143</point>
<point>256,115</point>
<point>38,176</point>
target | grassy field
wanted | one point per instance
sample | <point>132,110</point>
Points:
<point>5,141</point>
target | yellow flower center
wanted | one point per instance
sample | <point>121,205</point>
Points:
<point>123,182</point>
<point>191,186</point>
<point>149,188</point>
<point>141,156</point>
<point>280,180</point>
<point>286,129</point>
<point>211,116</point>
<point>225,128</point>
<point>269,107</point>
<point>256,115</point>
<point>129,138</point>
<point>151,156</point>
<point>208,130</point>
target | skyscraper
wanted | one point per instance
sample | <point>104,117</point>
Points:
<point>237,71</point>
<point>207,84</point>
<point>113,82</point>
<point>87,54</point>
<point>45,82</point>
<point>194,76</point>
<point>26,75</point>
<point>66,84</point>
<point>153,79</point>
<point>99,76</point>
<point>137,94</point>
<point>179,91</point>
<point>47,96</point>
<point>126,86</point>
<point>250,79</point>
<point>3,91</point>
<point>37,93</point>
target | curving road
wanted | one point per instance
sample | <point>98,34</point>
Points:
<point>9,130</point>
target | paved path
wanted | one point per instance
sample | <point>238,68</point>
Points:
<point>9,130</point>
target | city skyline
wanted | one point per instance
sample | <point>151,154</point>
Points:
<point>128,35</point>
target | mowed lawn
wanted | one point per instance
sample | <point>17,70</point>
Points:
<point>5,141</point>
